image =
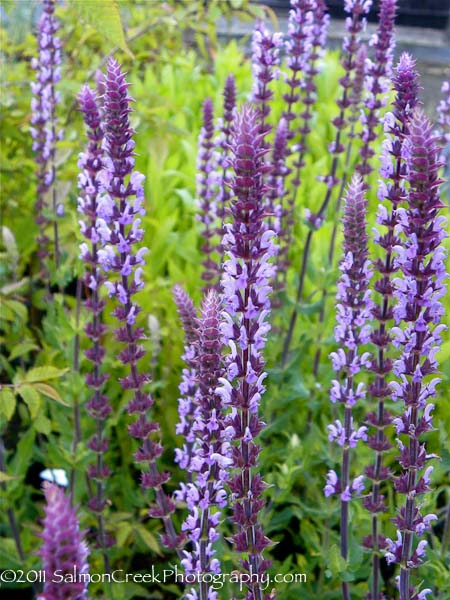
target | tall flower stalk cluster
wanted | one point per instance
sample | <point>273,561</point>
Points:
<point>246,288</point>
<point>44,130</point>
<point>392,189</point>
<point>355,24</point>
<point>304,46</point>
<point>443,110</point>
<point>205,495</point>
<point>91,204</point>
<point>351,333</point>
<point>63,550</point>
<point>418,312</point>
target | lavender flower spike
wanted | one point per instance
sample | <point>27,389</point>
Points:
<point>63,548</point>
<point>246,288</point>
<point>96,232</point>
<point>207,181</point>
<point>123,201</point>
<point>351,332</point>
<point>211,460</point>
<point>443,110</point>
<point>377,80</point>
<point>418,312</point>
<point>43,130</point>
<point>265,61</point>
<point>187,403</point>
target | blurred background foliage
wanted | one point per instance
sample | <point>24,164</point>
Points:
<point>174,60</point>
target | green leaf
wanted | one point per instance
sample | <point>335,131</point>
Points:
<point>24,452</point>
<point>8,555</point>
<point>22,349</point>
<point>50,391</point>
<point>148,539</point>
<point>4,477</point>
<point>43,374</point>
<point>7,403</point>
<point>42,424</point>
<point>105,18</point>
<point>31,398</point>
<point>335,561</point>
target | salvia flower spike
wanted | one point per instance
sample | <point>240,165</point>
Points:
<point>95,229</point>
<point>123,259</point>
<point>392,189</point>
<point>265,62</point>
<point>44,128</point>
<point>187,402</point>
<point>211,459</point>
<point>208,184</point>
<point>63,548</point>
<point>351,333</point>
<point>246,284</point>
<point>418,312</point>
<point>377,81</point>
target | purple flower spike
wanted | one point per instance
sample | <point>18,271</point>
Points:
<point>63,549</point>
<point>96,232</point>
<point>207,186</point>
<point>265,60</point>
<point>443,110</point>
<point>246,287</point>
<point>418,312</point>
<point>123,201</point>
<point>43,130</point>
<point>229,106</point>
<point>392,189</point>
<point>377,81</point>
<point>351,332</point>
<point>187,403</point>
<point>211,459</point>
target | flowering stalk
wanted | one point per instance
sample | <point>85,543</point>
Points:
<point>265,61</point>
<point>351,332</point>
<point>354,109</point>
<point>124,197</point>
<point>63,549</point>
<point>377,81</point>
<point>94,228</point>
<point>187,403</point>
<point>443,110</point>
<point>418,310</point>
<point>246,289</point>
<point>354,25</point>
<point>229,106</point>
<point>207,192</point>
<point>206,495</point>
<point>43,130</point>
<point>405,84</point>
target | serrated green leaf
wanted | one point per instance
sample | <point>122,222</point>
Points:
<point>8,555</point>
<point>7,403</point>
<point>31,398</point>
<point>105,18</point>
<point>122,534</point>
<point>44,374</point>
